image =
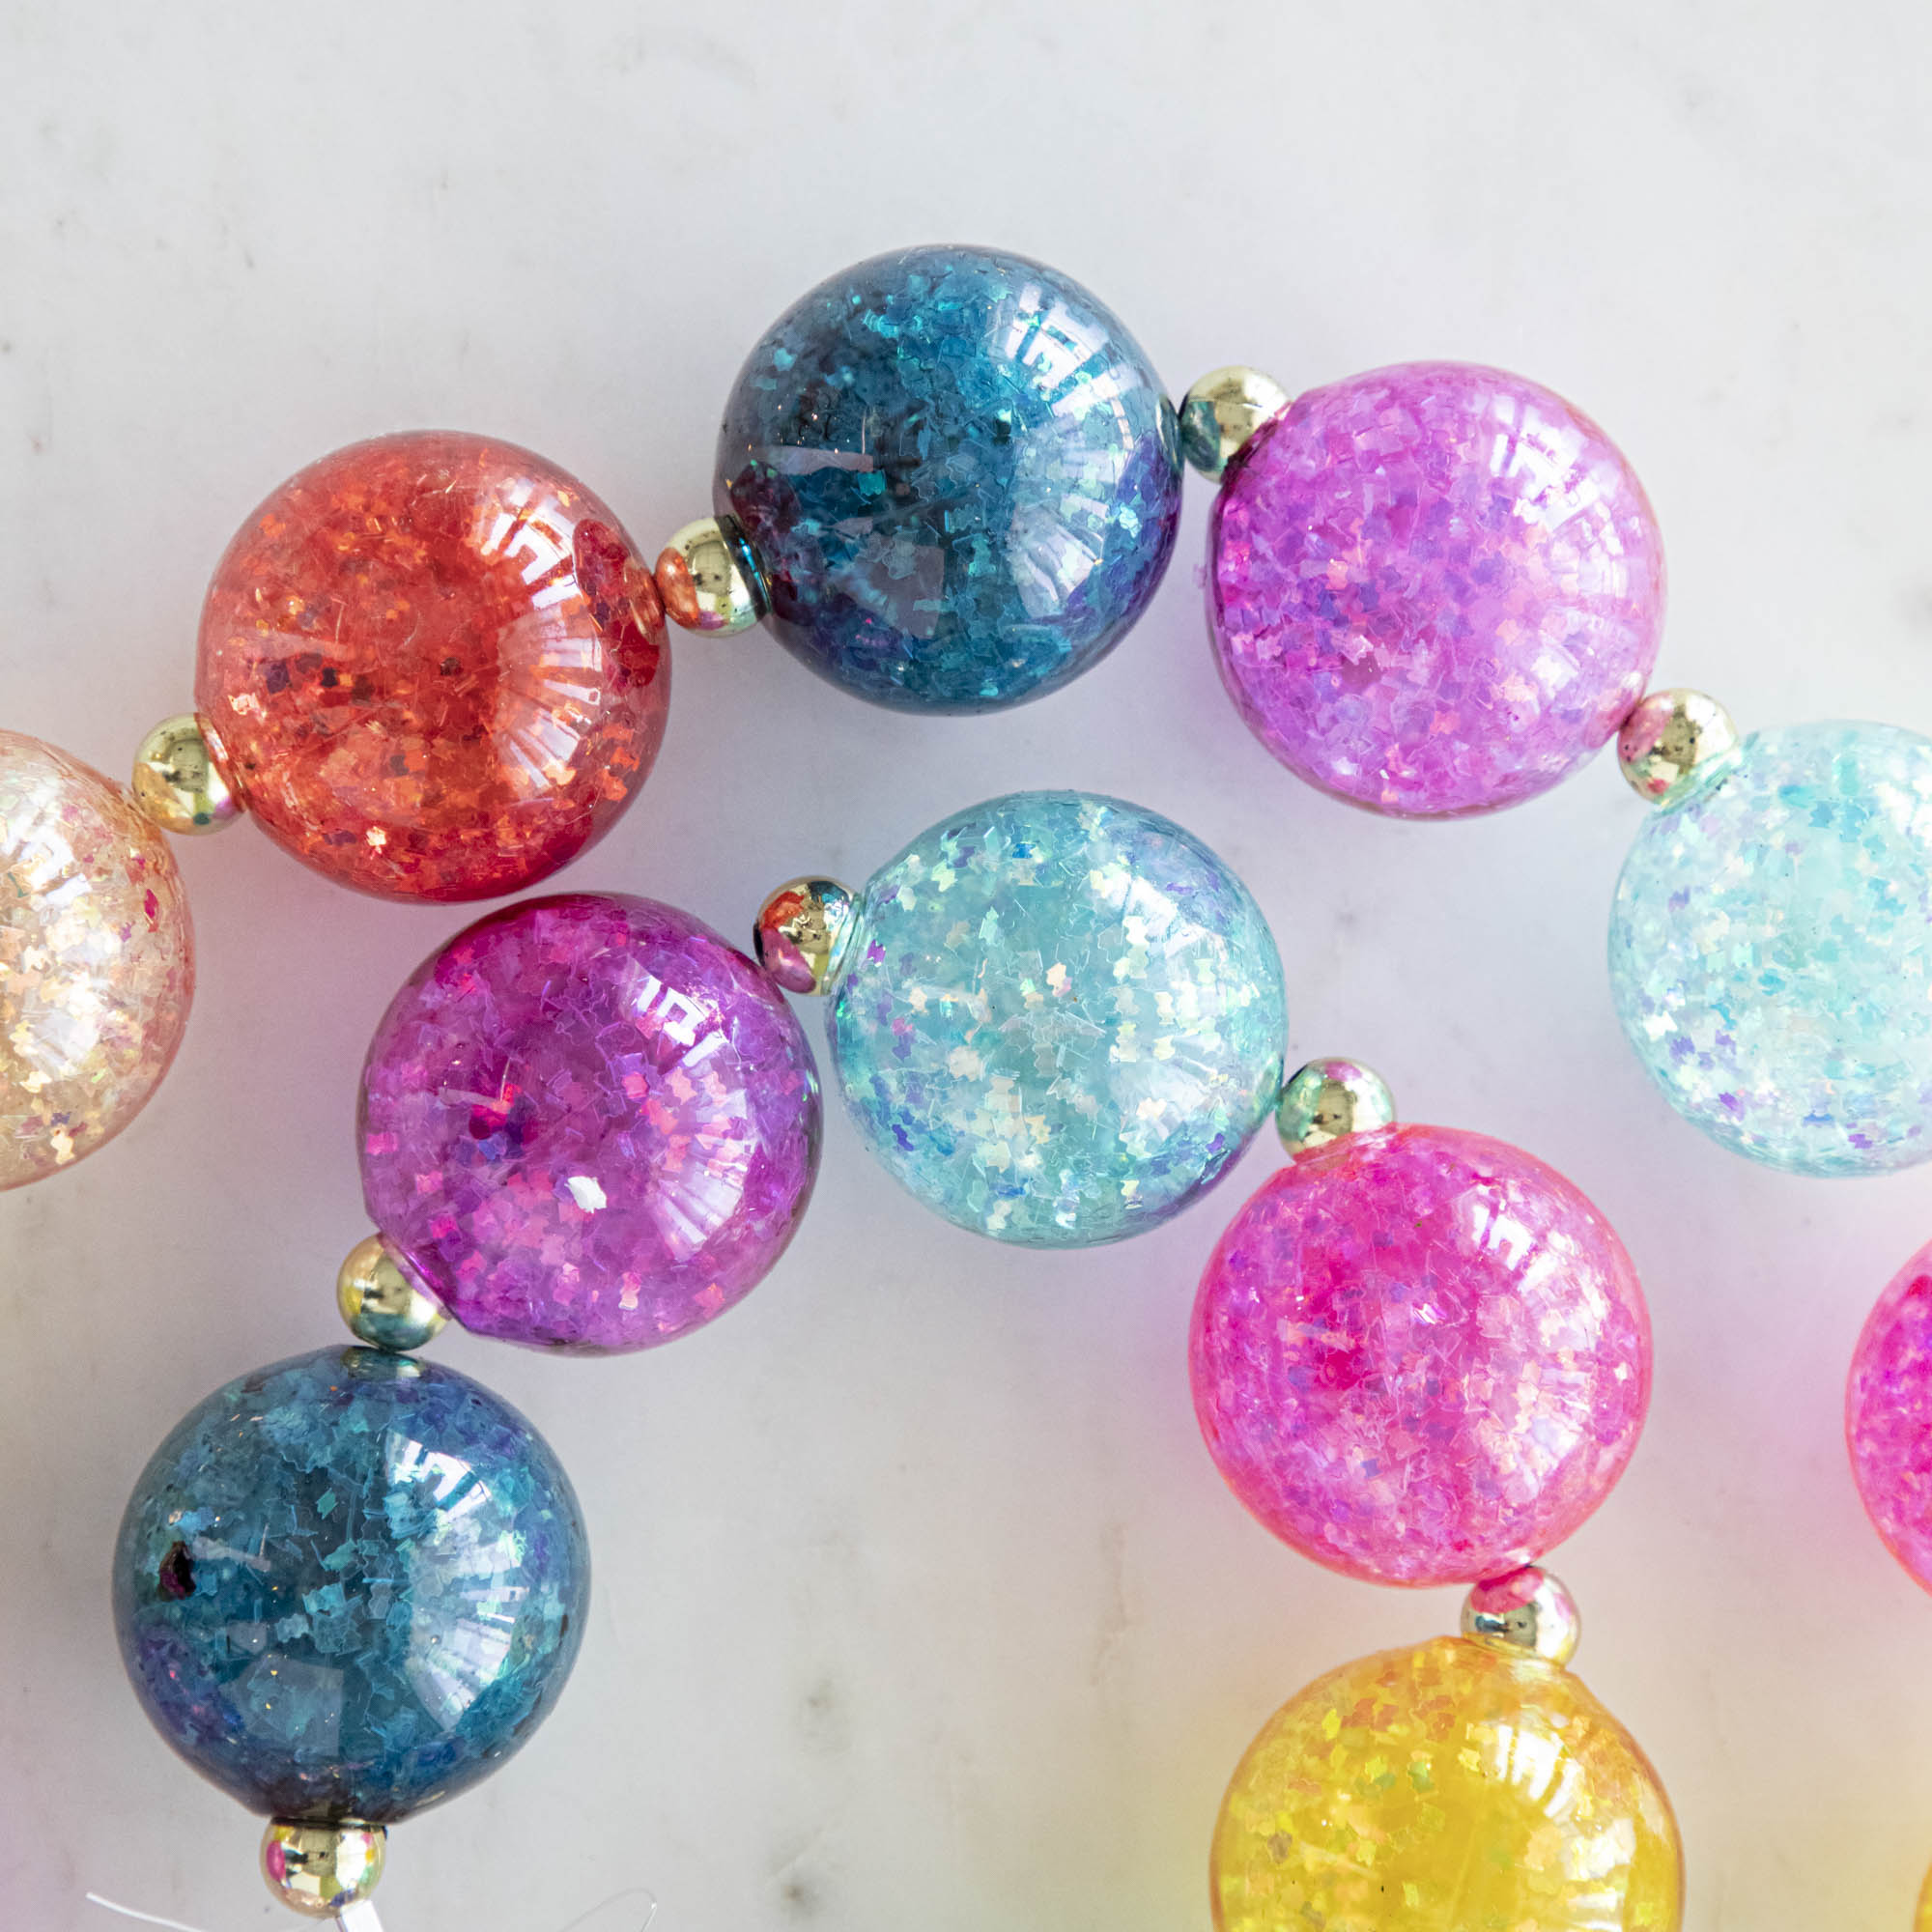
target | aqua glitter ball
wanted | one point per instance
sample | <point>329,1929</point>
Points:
<point>959,474</point>
<point>1771,950</point>
<point>349,1585</point>
<point>1059,1020</point>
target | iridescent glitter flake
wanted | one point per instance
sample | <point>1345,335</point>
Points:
<point>1420,1355</point>
<point>1771,950</point>
<point>1062,1018</point>
<point>1435,589</point>
<point>1446,1789</point>
<point>434,666</point>
<point>959,473</point>
<point>97,959</point>
<point>1888,1415</point>
<point>349,1585</point>
<point>589,1124</point>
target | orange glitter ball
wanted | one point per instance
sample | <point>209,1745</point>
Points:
<point>434,666</point>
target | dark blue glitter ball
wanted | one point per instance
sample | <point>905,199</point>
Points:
<point>349,1585</point>
<point>959,473</point>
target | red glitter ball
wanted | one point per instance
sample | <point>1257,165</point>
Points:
<point>434,666</point>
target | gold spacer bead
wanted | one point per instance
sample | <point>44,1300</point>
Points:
<point>804,932</point>
<point>1327,1099</point>
<point>178,780</point>
<point>709,580</point>
<point>1672,742</point>
<point>385,1301</point>
<point>1222,412</point>
<point>322,1870</point>
<point>1526,1613</point>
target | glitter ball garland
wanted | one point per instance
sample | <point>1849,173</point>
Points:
<point>434,666</point>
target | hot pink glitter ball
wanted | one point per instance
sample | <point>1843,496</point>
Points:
<point>1435,589</point>
<point>589,1124</point>
<point>1420,1355</point>
<point>1888,1415</point>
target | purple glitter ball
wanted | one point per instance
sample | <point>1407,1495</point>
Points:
<point>1435,589</point>
<point>589,1124</point>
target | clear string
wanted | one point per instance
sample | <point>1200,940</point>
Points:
<point>636,1892</point>
<point>646,1897</point>
<point>146,1917</point>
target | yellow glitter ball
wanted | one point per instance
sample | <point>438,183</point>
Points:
<point>1449,1788</point>
<point>1923,1921</point>
<point>97,959</point>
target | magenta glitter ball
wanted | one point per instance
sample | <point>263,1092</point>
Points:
<point>589,1124</point>
<point>1420,1355</point>
<point>1433,590</point>
<point>1888,1415</point>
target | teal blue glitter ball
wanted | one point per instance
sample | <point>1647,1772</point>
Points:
<point>1061,1019</point>
<point>1771,950</point>
<point>959,474</point>
<point>349,1585</point>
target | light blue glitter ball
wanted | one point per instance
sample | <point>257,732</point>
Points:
<point>1061,1018</point>
<point>959,474</point>
<point>1771,950</point>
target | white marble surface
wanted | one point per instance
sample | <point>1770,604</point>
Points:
<point>919,1601</point>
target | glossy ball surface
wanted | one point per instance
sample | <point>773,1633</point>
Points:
<point>349,1585</point>
<point>708,579</point>
<point>1433,590</point>
<point>1527,1612</point>
<point>1768,950</point>
<point>802,932</point>
<point>1325,1099</point>
<point>434,666</point>
<point>588,1124</point>
<point>1220,414</point>
<point>1060,1017</point>
<point>97,959</point>
<point>959,473</point>
<point>1446,1789</point>
<point>383,1302</point>
<point>1420,1355</point>
<point>177,783</point>
<point>1888,1415</point>
<point>1673,741</point>
<point>321,1870</point>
